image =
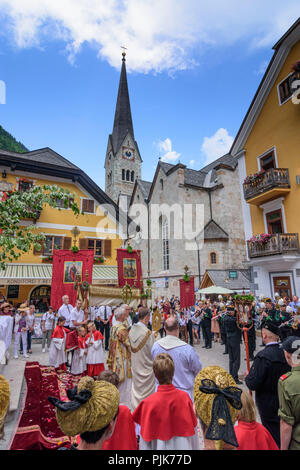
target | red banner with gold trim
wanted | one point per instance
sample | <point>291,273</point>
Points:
<point>187,293</point>
<point>67,266</point>
<point>129,268</point>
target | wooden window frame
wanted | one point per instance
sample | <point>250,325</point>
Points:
<point>94,240</point>
<point>281,219</point>
<point>52,243</point>
<point>84,209</point>
<point>211,255</point>
<point>268,154</point>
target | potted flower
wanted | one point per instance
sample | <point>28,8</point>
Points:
<point>296,69</point>
<point>99,259</point>
<point>48,259</point>
<point>129,249</point>
<point>74,249</point>
<point>261,239</point>
<point>255,178</point>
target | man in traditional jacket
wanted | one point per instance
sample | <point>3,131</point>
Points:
<point>268,366</point>
<point>141,341</point>
<point>119,356</point>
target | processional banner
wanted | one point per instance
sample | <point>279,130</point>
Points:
<point>70,268</point>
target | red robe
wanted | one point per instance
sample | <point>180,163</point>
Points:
<point>166,414</point>
<point>121,440</point>
<point>59,332</point>
<point>254,436</point>
<point>93,370</point>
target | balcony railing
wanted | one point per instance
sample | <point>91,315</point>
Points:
<point>273,178</point>
<point>278,244</point>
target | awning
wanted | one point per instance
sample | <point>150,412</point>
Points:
<point>215,290</point>
<point>42,274</point>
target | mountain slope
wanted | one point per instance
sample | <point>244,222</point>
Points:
<point>8,142</point>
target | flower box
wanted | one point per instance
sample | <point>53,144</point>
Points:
<point>261,239</point>
<point>255,178</point>
<point>99,259</point>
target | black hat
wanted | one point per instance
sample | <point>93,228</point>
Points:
<point>268,300</point>
<point>269,325</point>
<point>291,344</point>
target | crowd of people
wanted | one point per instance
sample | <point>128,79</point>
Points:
<point>154,381</point>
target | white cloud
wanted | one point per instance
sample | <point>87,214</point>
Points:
<point>216,146</point>
<point>192,163</point>
<point>160,34</point>
<point>166,152</point>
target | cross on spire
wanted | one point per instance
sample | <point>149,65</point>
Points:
<point>124,53</point>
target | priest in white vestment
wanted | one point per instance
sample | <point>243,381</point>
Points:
<point>141,341</point>
<point>187,362</point>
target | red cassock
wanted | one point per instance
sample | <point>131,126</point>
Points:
<point>121,440</point>
<point>166,414</point>
<point>254,436</point>
<point>93,370</point>
<point>59,332</point>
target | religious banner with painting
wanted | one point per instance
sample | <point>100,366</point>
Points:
<point>129,268</point>
<point>187,293</point>
<point>69,271</point>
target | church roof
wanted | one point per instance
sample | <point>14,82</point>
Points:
<point>145,187</point>
<point>123,119</point>
<point>213,231</point>
<point>198,178</point>
<point>221,278</point>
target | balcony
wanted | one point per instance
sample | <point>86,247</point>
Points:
<point>272,184</point>
<point>279,244</point>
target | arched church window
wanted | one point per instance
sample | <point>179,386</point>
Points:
<point>123,175</point>
<point>164,226</point>
<point>127,175</point>
<point>132,176</point>
<point>213,258</point>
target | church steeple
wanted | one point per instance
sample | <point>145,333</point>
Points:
<point>123,119</point>
<point>123,162</point>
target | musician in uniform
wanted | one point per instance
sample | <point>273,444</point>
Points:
<point>268,366</point>
<point>233,336</point>
<point>206,326</point>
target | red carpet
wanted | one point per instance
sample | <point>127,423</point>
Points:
<point>38,428</point>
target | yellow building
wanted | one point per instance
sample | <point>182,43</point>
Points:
<point>30,277</point>
<point>269,142</point>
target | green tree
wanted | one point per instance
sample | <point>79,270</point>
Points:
<point>16,238</point>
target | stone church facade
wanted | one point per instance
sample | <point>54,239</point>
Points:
<point>216,188</point>
<point>221,244</point>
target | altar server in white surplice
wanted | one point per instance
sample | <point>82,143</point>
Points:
<point>79,357</point>
<point>57,354</point>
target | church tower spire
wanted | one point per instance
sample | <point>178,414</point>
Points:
<point>123,161</point>
<point>123,119</point>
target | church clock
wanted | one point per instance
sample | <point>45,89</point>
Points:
<point>128,153</point>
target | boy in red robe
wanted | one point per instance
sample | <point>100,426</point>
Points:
<point>57,354</point>
<point>167,418</point>
<point>95,355</point>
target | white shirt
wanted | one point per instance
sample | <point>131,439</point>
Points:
<point>94,313</point>
<point>48,318</point>
<point>102,312</point>
<point>65,311</point>
<point>29,320</point>
<point>76,315</point>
